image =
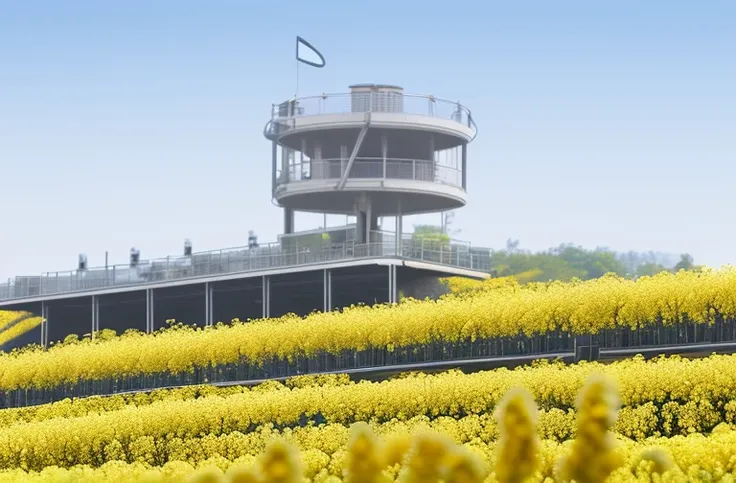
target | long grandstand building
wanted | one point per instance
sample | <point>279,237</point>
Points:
<point>372,153</point>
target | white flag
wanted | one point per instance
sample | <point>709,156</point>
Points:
<point>313,56</point>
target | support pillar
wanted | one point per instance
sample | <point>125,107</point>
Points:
<point>149,311</point>
<point>274,166</point>
<point>327,303</point>
<point>393,286</point>
<point>399,230</point>
<point>288,221</point>
<point>384,152</point>
<point>366,221</point>
<point>464,165</point>
<point>45,311</point>
<point>95,315</point>
<point>209,296</point>
<point>266,297</point>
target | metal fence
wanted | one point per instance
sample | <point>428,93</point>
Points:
<point>240,260</point>
<point>371,168</point>
<point>657,336</point>
<point>350,103</point>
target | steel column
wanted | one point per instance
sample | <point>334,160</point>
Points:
<point>464,166</point>
<point>384,152</point>
<point>392,290</point>
<point>274,166</point>
<point>327,303</point>
<point>95,315</point>
<point>288,221</point>
<point>150,325</point>
<point>209,297</point>
<point>45,309</point>
<point>266,296</point>
<point>399,227</point>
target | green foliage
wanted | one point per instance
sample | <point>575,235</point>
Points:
<point>566,262</point>
<point>430,234</point>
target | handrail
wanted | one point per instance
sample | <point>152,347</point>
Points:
<point>368,167</point>
<point>235,260</point>
<point>343,103</point>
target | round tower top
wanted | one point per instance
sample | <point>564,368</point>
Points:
<point>380,87</point>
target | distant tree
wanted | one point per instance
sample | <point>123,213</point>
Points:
<point>685,263</point>
<point>649,269</point>
<point>512,246</point>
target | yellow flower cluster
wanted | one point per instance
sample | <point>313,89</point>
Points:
<point>19,328</point>
<point>7,317</point>
<point>579,307</point>
<point>666,396</point>
<point>428,455</point>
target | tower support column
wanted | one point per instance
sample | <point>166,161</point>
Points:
<point>399,230</point>
<point>266,296</point>
<point>464,166</point>
<point>45,314</point>
<point>288,221</point>
<point>327,303</point>
<point>209,292</point>
<point>393,286</point>
<point>150,326</point>
<point>95,315</point>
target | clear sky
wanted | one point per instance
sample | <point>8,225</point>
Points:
<point>138,123</point>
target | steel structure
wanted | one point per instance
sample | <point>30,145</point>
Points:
<point>372,152</point>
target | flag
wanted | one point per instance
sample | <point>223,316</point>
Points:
<point>300,42</point>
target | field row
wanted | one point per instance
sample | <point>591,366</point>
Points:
<point>666,397</point>
<point>506,311</point>
<point>324,455</point>
<point>703,381</point>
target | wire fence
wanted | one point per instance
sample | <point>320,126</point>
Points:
<point>552,342</point>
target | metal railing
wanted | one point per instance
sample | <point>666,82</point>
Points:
<point>350,103</point>
<point>241,260</point>
<point>371,168</point>
<point>472,354</point>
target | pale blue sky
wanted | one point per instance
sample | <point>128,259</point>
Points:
<point>140,123</point>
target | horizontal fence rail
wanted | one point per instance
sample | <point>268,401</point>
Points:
<point>654,338</point>
<point>297,252</point>
<point>357,102</point>
<point>371,168</point>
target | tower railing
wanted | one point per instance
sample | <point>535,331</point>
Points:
<point>371,168</point>
<point>244,260</point>
<point>350,103</point>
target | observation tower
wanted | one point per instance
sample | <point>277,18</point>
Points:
<point>372,152</point>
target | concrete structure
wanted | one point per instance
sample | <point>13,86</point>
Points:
<point>373,152</point>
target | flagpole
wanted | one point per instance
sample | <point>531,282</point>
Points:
<point>296,92</point>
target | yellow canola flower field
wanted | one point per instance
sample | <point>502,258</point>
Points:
<point>7,317</point>
<point>667,396</point>
<point>20,328</point>
<point>696,457</point>
<point>577,307</point>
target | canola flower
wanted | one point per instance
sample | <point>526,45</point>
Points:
<point>281,463</point>
<point>424,461</point>
<point>518,446</point>
<point>663,396</point>
<point>8,317</point>
<point>17,327</point>
<point>697,457</point>
<point>575,307</point>
<point>593,457</point>
<point>365,461</point>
